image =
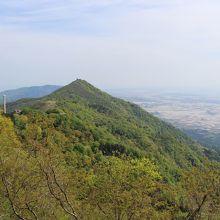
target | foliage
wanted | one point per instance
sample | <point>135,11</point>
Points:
<point>82,154</point>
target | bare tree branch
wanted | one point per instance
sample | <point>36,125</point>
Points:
<point>196,211</point>
<point>31,211</point>
<point>10,199</point>
<point>53,193</point>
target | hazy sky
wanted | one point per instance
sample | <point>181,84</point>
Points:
<point>110,43</point>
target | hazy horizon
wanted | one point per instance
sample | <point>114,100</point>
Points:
<point>141,91</point>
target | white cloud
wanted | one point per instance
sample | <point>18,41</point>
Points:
<point>19,12</point>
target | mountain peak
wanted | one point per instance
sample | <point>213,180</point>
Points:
<point>79,81</point>
<point>78,88</point>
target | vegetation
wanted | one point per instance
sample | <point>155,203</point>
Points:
<point>82,154</point>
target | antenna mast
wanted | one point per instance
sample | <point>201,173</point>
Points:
<point>4,103</point>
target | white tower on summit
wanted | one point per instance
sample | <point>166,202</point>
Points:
<point>4,104</point>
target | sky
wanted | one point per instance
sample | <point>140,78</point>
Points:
<point>110,43</point>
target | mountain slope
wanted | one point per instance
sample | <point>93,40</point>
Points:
<point>114,126</point>
<point>98,157</point>
<point>28,92</point>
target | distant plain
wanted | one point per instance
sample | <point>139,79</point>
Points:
<point>198,115</point>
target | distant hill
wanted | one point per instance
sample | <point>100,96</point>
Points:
<point>118,126</point>
<point>28,92</point>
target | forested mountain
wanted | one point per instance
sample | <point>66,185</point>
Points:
<point>80,153</point>
<point>28,92</point>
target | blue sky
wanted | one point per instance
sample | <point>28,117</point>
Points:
<point>111,43</point>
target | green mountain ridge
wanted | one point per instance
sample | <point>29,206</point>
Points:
<point>117,126</point>
<point>90,156</point>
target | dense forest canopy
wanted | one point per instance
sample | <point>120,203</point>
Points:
<point>80,153</point>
